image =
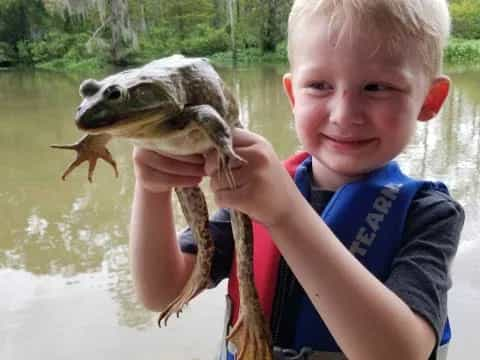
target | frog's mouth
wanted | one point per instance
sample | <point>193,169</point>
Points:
<point>102,122</point>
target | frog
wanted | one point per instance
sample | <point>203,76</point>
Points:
<point>180,106</point>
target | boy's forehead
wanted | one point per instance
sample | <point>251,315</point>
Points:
<point>366,45</point>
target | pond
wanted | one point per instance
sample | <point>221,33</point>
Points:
<point>65,286</point>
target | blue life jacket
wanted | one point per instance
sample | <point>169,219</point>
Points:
<point>368,217</point>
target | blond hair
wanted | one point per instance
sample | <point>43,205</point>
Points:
<point>421,25</point>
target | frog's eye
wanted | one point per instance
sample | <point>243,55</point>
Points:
<point>89,88</point>
<point>113,93</point>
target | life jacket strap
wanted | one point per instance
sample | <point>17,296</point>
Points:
<point>305,353</point>
<point>290,354</point>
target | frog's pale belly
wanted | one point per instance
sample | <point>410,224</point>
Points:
<point>187,143</point>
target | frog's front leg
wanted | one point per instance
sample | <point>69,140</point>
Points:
<point>194,208</point>
<point>218,131</point>
<point>89,148</point>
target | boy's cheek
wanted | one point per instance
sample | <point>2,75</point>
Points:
<point>395,119</point>
<point>307,122</point>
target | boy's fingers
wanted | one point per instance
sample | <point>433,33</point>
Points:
<point>242,137</point>
<point>225,198</point>
<point>168,164</point>
<point>220,182</point>
<point>155,178</point>
<point>242,140</point>
<point>212,163</point>
<point>193,159</point>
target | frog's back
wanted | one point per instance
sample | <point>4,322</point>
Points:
<point>186,68</point>
<point>199,82</point>
<point>178,63</point>
<point>176,68</point>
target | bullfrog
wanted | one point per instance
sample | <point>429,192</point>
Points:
<point>180,106</point>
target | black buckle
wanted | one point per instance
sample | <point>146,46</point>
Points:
<point>290,354</point>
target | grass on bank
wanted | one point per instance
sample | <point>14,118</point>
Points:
<point>459,52</point>
<point>74,66</point>
<point>462,52</point>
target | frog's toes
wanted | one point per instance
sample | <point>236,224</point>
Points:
<point>194,285</point>
<point>251,340</point>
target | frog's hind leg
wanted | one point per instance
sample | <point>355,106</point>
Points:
<point>250,334</point>
<point>195,210</point>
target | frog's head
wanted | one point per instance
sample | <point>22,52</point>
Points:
<point>125,102</point>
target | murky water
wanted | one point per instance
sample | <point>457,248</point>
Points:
<point>65,286</point>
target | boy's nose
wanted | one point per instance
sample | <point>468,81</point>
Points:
<point>346,109</point>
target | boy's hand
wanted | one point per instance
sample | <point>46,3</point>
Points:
<point>160,173</point>
<point>264,188</point>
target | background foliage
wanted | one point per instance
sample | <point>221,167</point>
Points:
<point>66,33</point>
<point>466,18</point>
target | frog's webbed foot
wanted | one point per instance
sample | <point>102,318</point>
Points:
<point>197,282</point>
<point>251,338</point>
<point>89,148</point>
<point>195,210</point>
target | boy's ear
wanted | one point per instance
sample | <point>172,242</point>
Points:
<point>288,88</point>
<point>434,100</point>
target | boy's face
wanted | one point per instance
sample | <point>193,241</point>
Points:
<point>355,106</point>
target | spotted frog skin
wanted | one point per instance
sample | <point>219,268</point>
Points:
<point>179,106</point>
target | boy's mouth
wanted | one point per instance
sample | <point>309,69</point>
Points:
<point>349,143</point>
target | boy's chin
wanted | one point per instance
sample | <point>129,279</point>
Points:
<point>352,169</point>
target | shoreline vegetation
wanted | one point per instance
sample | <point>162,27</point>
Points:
<point>459,53</point>
<point>462,52</point>
<point>93,35</point>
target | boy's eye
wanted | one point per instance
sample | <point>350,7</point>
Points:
<point>320,85</point>
<point>377,87</point>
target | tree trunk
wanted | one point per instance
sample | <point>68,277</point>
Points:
<point>143,22</point>
<point>270,31</point>
<point>231,14</point>
<point>123,36</point>
<point>219,16</point>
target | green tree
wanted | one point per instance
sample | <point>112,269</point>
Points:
<point>21,20</point>
<point>184,16</point>
<point>121,31</point>
<point>465,18</point>
<point>113,21</point>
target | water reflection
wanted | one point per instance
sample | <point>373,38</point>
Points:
<point>72,236</point>
<point>448,148</point>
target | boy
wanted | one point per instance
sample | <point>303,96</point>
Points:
<point>368,278</point>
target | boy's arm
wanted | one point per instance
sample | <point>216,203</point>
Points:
<point>367,320</point>
<point>420,272</point>
<point>160,270</point>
